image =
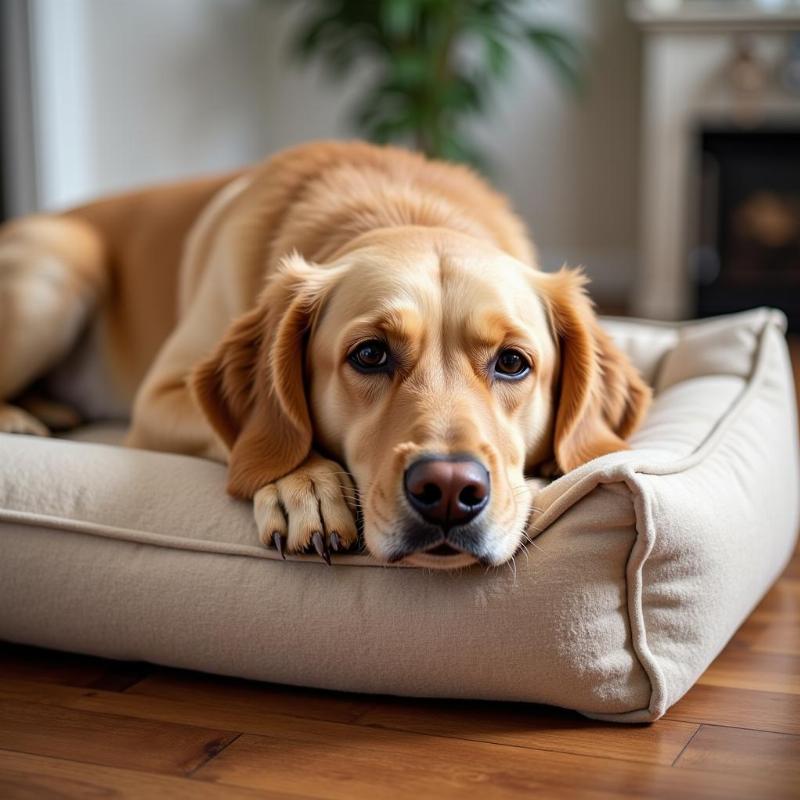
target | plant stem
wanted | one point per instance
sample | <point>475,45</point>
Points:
<point>429,134</point>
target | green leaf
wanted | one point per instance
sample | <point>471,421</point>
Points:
<point>390,130</point>
<point>399,17</point>
<point>498,55</point>
<point>422,89</point>
<point>314,34</point>
<point>410,68</point>
<point>562,53</point>
<point>465,94</point>
<point>457,148</point>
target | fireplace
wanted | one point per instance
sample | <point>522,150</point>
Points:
<point>720,158</point>
<point>746,249</point>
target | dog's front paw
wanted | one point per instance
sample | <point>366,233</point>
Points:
<point>314,506</point>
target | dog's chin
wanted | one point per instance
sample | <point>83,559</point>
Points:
<point>443,562</point>
<point>417,544</point>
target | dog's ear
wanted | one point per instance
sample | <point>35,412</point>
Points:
<point>252,386</point>
<point>601,397</point>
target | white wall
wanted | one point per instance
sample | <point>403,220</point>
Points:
<point>133,91</point>
<point>569,164</point>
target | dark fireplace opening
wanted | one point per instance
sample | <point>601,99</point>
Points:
<point>747,242</point>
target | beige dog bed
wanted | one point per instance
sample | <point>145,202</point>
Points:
<point>643,565</point>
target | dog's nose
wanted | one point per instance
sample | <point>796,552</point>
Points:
<point>447,490</point>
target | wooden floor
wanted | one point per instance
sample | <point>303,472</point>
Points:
<point>72,726</point>
<point>77,727</point>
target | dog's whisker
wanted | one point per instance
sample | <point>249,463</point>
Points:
<point>532,527</point>
<point>353,497</point>
<point>533,542</point>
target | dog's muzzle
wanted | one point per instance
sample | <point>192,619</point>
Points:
<point>447,495</point>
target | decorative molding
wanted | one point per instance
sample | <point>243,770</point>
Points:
<point>720,16</point>
<point>687,85</point>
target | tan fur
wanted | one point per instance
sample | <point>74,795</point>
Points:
<point>602,399</point>
<point>228,306</point>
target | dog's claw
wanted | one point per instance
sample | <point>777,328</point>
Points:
<point>319,545</point>
<point>277,540</point>
<point>335,544</point>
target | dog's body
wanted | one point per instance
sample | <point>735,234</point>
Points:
<point>400,296</point>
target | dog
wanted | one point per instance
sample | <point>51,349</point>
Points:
<point>355,330</point>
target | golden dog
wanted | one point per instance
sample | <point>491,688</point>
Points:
<point>340,316</point>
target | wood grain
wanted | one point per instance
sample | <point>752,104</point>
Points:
<point>735,751</point>
<point>518,726</point>
<point>524,726</point>
<point>51,730</point>
<point>28,777</point>
<point>230,693</point>
<point>773,627</point>
<point>33,664</point>
<point>205,717</point>
<point>740,668</point>
<point>418,766</point>
<point>534,727</point>
<point>742,708</point>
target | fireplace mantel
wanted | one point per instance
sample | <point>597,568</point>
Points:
<point>719,16</point>
<point>686,85</point>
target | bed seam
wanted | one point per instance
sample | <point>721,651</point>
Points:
<point>646,535</point>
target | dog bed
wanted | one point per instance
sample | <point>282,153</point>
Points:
<point>643,563</point>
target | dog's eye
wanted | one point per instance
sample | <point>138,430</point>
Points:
<point>511,364</point>
<point>371,356</point>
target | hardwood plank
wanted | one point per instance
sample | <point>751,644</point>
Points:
<point>71,669</point>
<point>121,676</point>
<point>735,751</point>
<point>233,693</point>
<point>44,693</point>
<point>744,708</point>
<point>413,765</point>
<point>773,627</point>
<point>28,777</point>
<point>114,740</point>
<point>204,716</point>
<point>740,668</point>
<point>793,570</point>
<point>536,727</point>
<point>778,638</point>
<point>783,599</point>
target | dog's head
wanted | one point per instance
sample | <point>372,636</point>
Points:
<point>439,370</point>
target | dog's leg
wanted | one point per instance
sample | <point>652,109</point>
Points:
<point>51,275</point>
<point>56,416</point>
<point>314,505</point>
<point>16,420</point>
<point>165,415</point>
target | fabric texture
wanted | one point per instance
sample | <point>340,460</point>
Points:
<point>643,564</point>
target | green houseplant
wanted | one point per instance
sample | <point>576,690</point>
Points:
<point>435,62</point>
